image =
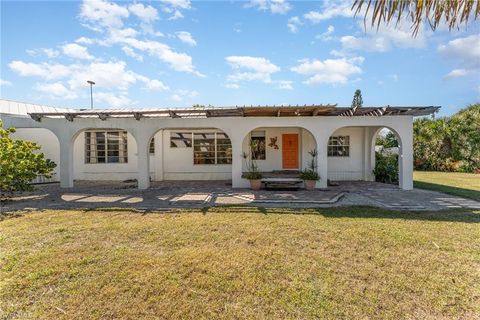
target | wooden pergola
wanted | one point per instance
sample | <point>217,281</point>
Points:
<point>321,110</point>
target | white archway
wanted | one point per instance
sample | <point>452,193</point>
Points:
<point>360,162</point>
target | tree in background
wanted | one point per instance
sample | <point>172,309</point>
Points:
<point>357,101</point>
<point>451,12</point>
<point>387,140</point>
<point>20,163</point>
<point>449,143</point>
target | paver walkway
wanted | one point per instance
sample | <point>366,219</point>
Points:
<point>173,194</point>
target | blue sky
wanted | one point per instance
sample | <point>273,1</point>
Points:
<point>178,53</point>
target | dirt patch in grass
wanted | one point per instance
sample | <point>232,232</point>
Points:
<point>232,263</point>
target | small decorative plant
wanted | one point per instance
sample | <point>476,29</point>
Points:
<point>252,173</point>
<point>310,175</point>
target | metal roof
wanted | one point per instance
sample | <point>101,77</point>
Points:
<point>240,111</point>
<point>23,108</point>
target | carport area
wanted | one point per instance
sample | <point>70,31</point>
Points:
<point>165,195</point>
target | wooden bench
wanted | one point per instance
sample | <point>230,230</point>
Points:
<point>290,183</point>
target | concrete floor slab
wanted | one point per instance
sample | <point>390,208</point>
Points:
<point>174,194</point>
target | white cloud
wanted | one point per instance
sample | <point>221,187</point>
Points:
<point>96,14</point>
<point>394,77</point>
<point>156,85</point>
<point>131,53</point>
<point>176,15</point>
<point>456,73</point>
<point>332,71</point>
<point>258,68</point>
<point>274,6</point>
<point>232,86</point>
<point>294,24</point>
<point>103,13</point>
<point>46,71</point>
<point>175,7</point>
<point>76,51</point>
<point>112,75</point>
<point>105,74</point>
<point>147,14</point>
<point>182,95</point>
<point>55,90</point>
<point>50,53</point>
<point>85,40</point>
<point>112,99</point>
<point>178,61</point>
<point>186,37</point>
<point>5,83</point>
<point>181,4</point>
<point>331,9</point>
<point>285,85</point>
<point>176,97</point>
<point>327,35</point>
<point>465,52</point>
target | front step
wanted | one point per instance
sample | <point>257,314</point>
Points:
<point>282,183</point>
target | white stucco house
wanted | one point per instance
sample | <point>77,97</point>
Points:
<point>207,143</point>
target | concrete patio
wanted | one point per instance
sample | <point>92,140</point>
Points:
<point>176,194</point>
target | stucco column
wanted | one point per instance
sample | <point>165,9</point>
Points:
<point>405,174</point>
<point>369,152</point>
<point>237,180</point>
<point>322,162</point>
<point>66,160</point>
<point>158,158</point>
<point>142,137</point>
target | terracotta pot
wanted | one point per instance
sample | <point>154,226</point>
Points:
<point>256,184</point>
<point>310,184</point>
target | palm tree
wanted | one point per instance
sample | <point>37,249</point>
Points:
<point>452,12</point>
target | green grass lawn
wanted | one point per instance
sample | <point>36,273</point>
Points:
<point>241,263</point>
<point>465,185</point>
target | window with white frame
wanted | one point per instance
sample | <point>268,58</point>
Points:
<point>211,148</point>
<point>106,146</point>
<point>339,146</point>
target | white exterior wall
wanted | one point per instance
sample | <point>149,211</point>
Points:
<point>178,162</point>
<point>351,167</point>
<point>104,171</point>
<point>273,157</point>
<point>48,142</point>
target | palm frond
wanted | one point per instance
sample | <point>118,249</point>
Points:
<point>435,12</point>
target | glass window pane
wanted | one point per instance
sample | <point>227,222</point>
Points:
<point>180,140</point>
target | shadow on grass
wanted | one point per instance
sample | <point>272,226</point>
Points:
<point>455,191</point>
<point>453,215</point>
<point>355,212</point>
<point>362,212</point>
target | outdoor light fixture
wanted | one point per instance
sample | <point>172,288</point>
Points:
<point>91,92</point>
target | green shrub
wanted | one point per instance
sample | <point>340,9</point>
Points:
<point>310,173</point>
<point>20,163</point>
<point>386,168</point>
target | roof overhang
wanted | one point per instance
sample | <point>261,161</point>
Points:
<point>245,111</point>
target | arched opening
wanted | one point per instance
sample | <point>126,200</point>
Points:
<point>49,146</point>
<point>190,154</point>
<point>279,150</point>
<point>352,153</point>
<point>386,156</point>
<point>108,154</point>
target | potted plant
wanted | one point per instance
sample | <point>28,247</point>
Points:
<point>252,174</point>
<point>310,175</point>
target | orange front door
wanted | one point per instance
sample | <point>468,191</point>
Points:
<point>290,151</point>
